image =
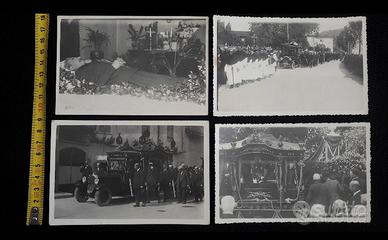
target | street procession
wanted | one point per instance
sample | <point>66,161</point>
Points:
<point>145,183</point>
<point>129,172</point>
<point>247,64</point>
<point>170,142</point>
<point>257,57</point>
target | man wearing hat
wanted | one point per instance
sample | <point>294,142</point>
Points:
<point>167,182</point>
<point>139,185</point>
<point>152,183</point>
<point>356,175</point>
<point>197,184</point>
<point>183,183</point>
<point>334,188</point>
<point>317,193</point>
<point>356,191</point>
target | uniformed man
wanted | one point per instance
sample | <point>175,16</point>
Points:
<point>197,184</point>
<point>166,182</point>
<point>152,184</point>
<point>139,185</point>
<point>86,169</point>
<point>183,183</point>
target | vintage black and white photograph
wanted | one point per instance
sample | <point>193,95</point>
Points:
<point>132,65</point>
<point>129,172</point>
<point>293,173</point>
<point>289,66</point>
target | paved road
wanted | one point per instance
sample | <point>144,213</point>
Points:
<point>122,208</point>
<point>325,89</point>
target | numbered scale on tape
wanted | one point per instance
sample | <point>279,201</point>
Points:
<point>36,178</point>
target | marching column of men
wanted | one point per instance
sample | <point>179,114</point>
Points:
<point>179,183</point>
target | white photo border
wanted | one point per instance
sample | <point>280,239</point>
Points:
<point>365,96</point>
<point>60,108</point>
<point>206,201</point>
<point>367,219</point>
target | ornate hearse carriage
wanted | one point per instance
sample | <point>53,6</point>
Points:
<point>263,174</point>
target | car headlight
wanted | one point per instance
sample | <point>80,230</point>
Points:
<point>83,179</point>
<point>96,180</point>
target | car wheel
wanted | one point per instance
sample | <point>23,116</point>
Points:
<point>103,197</point>
<point>80,195</point>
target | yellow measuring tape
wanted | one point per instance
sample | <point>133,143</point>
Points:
<point>36,178</point>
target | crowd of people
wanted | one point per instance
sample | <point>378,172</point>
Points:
<point>180,183</point>
<point>309,58</point>
<point>242,64</point>
<point>330,193</point>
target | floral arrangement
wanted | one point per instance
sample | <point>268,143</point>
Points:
<point>259,196</point>
<point>191,90</point>
<point>341,165</point>
<point>352,155</point>
<point>69,84</point>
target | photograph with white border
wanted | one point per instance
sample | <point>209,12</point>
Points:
<point>129,172</point>
<point>315,172</point>
<point>132,65</point>
<point>266,66</point>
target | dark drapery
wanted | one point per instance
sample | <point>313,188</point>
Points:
<point>70,39</point>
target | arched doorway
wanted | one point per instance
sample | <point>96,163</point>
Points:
<point>70,161</point>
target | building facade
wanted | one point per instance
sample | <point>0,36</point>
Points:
<point>316,41</point>
<point>77,144</point>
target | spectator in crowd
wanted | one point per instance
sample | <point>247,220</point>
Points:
<point>317,193</point>
<point>356,191</point>
<point>334,189</point>
<point>356,175</point>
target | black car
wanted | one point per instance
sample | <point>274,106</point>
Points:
<point>112,177</point>
<point>109,178</point>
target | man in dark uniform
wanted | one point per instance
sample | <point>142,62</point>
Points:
<point>139,185</point>
<point>183,184</point>
<point>197,184</point>
<point>166,182</point>
<point>152,184</point>
<point>86,169</point>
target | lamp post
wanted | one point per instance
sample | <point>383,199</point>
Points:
<point>288,33</point>
<point>254,39</point>
<point>150,31</point>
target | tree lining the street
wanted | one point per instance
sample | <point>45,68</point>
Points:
<point>350,37</point>
<point>275,34</point>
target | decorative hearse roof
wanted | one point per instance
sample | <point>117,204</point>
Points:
<point>262,144</point>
